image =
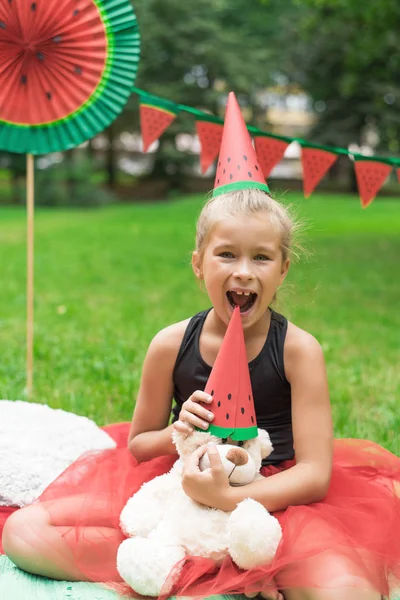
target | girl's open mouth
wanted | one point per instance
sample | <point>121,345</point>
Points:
<point>244,301</point>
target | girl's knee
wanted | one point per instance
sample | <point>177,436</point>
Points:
<point>18,529</point>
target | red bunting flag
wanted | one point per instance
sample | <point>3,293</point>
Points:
<point>316,163</point>
<point>371,175</point>
<point>210,136</point>
<point>155,117</point>
<point>398,174</point>
<point>269,152</point>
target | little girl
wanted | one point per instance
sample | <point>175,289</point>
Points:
<point>336,501</point>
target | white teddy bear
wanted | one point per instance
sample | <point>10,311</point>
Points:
<point>165,525</point>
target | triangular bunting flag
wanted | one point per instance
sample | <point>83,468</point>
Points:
<point>155,116</point>
<point>230,386</point>
<point>269,152</point>
<point>238,167</point>
<point>371,175</point>
<point>316,163</point>
<point>398,174</point>
<point>210,136</point>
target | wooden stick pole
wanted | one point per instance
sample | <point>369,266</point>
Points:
<point>30,204</point>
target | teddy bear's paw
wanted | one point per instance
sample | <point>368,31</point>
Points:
<point>253,535</point>
<point>145,564</point>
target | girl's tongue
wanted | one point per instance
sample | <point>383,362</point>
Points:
<point>239,299</point>
<point>245,302</point>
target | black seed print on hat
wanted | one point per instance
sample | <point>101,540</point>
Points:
<point>227,416</point>
<point>40,55</point>
<point>231,176</point>
<point>229,396</point>
<point>219,403</point>
<point>229,159</point>
<point>219,164</point>
<point>242,410</point>
<point>212,392</point>
<point>48,94</point>
<point>57,39</point>
<point>24,79</point>
<point>249,398</point>
<point>245,157</point>
<point>252,419</point>
<point>78,70</point>
<point>256,168</point>
<point>33,6</point>
<point>249,174</point>
<point>217,181</point>
<point>76,12</point>
<point>224,171</point>
<point>3,25</point>
<point>238,167</point>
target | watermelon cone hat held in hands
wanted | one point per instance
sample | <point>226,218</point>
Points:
<point>238,167</point>
<point>230,386</point>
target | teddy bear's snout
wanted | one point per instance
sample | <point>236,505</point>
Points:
<point>237,456</point>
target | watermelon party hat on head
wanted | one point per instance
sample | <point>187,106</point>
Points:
<point>238,167</point>
<point>229,385</point>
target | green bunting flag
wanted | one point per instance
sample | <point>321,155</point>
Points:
<point>156,114</point>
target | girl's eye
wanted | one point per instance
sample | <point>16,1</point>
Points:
<point>226,255</point>
<point>260,257</point>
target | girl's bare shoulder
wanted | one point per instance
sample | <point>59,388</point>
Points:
<point>169,339</point>
<point>300,347</point>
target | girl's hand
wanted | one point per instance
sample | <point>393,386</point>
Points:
<point>194,414</point>
<point>210,487</point>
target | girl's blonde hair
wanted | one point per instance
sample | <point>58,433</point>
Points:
<point>240,203</point>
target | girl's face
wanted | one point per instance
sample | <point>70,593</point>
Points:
<point>241,265</point>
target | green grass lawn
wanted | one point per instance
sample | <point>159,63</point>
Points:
<point>107,280</point>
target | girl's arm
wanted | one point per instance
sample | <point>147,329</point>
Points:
<point>308,480</point>
<point>150,434</point>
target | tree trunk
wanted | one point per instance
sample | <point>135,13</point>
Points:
<point>353,186</point>
<point>69,163</point>
<point>110,159</point>
<point>15,187</point>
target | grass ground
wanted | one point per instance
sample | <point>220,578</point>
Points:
<point>107,280</point>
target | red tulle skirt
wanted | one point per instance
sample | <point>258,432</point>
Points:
<point>351,537</point>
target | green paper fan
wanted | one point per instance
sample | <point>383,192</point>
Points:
<point>67,70</point>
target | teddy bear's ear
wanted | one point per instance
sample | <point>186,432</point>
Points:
<point>265,443</point>
<point>188,443</point>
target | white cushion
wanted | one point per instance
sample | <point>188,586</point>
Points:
<point>37,443</point>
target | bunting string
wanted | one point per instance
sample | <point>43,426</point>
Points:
<point>157,114</point>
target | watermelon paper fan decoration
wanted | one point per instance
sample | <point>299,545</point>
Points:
<point>230,386</point>
<point>67,70</point>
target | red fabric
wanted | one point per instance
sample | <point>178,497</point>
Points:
<point>356,528</point>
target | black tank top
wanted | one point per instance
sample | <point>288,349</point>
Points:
<point>271,389</point>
